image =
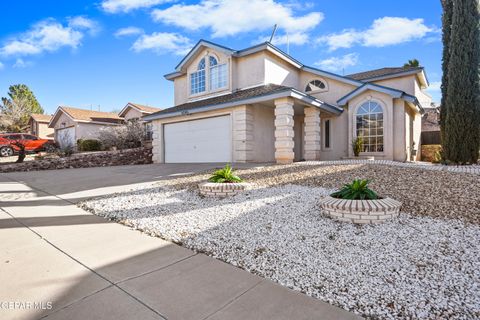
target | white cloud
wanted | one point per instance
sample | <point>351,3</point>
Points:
<point>81,22</point>
<point>383,32</point>
<point>2,66</point>
<point>45,36</point>
<point>163,42</point>
<point>338,63</point>
<point>116,6</point>
<point>299,38</point>
<point>20,63</point>
<point>434,86</point>
<point>128,31</point>
<point>232,17</point>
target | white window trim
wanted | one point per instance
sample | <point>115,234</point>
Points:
<point>354,122</point>
<point>208,90</point>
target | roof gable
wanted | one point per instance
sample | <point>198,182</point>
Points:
<point>394,93</point>
<point>139,107</point>
<point>86,116</point>
<point>199,47</point>
<point>391,72</point>
<point>45,118</point>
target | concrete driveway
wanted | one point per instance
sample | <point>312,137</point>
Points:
<point>60,262</point>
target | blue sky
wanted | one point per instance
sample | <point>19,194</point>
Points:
<point>105,53</point>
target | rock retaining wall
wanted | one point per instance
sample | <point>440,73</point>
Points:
<point>361,211</point>
<point>221,190</point>
<point>85,160</point>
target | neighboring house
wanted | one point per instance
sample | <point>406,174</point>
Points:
<point>137,111</point>
<point>431,126</point>
<point>71,124</point>
<point>38,124</point>
<point>261,105</point>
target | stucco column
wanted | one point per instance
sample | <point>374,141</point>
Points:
<point>157,142</point>
<point>312,133</point>
<point>284,131</point>
<point>243,134</point>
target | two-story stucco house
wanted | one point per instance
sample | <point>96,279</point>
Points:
<point>261,105</point>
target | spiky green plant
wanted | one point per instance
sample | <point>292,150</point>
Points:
<point>357,190</point>
<point>224,175</point>
<point>357,146</point>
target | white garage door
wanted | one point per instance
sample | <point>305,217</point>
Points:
<point>204,140</point>
<point>65,137</point>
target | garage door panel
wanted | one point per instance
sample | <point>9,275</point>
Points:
<point>203,140</point>
<point>65,137</point>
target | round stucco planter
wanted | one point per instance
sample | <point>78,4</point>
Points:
<point>361,211</point>
<point>222,190</point>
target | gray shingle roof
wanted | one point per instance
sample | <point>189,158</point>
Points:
<point>381,72</point>
<point>231,97</point>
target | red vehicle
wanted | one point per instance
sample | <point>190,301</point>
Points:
<point>32,143</point>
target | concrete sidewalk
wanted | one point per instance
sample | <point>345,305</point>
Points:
<point>54,254</point>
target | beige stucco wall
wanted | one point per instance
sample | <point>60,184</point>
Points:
<point>249,71</point>
<point>334,88</point>
<point>63,122</point>
<point>406,84</point>
<point>277,71</point>
<point>339,146</point>
<point>423,97</point>
<point>264,134</point>
<point>41,130</point>
<point>89,130</point>
<point>132,114</point>
<point>400,131</point>
<point>298,137</point>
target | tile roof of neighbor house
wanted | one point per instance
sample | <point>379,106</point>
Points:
<point>431,120</point>
<point>236,96</point>
<point>143,108</point>
<point>371,74</point>
<point>41,117</point>
<point>90,115</point>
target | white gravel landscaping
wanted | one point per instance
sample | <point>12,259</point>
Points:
<point>409,267</point>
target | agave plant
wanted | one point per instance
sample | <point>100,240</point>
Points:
<point>357,146</point>
<point>357,190</point>
<point>224,175</point>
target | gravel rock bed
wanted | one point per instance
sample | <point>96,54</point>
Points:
<point>422,192</point>
<point>409,267</point>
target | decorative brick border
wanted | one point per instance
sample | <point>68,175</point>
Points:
<point>222,190</point>
<point>361,211</point>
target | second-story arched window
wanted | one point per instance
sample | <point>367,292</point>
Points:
<point>218,74</point>
<point>197,79</point>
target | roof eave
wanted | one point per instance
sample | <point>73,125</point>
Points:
<point>282,94</point>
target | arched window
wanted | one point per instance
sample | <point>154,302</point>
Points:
<point>197,79</point>
<point>315,85</point>
<point>369,119</point>
<point>218,74</point>
<point>213,61</point>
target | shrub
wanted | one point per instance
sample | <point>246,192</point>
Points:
<point>89,145</point>
<point>357,190</point>
<point>224,175</point>
<point>129,135</point>
<point>357,146</point>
